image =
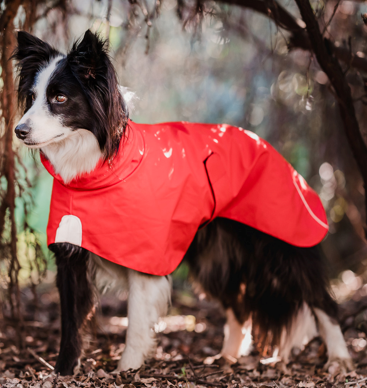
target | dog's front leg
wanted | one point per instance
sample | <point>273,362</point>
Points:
<point>149,297</point>
<point>76,301</point>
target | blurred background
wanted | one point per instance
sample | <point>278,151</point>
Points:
<point>226,65</point>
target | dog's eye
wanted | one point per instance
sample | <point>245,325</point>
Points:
<point>60,98</point>
<point>33,97</point>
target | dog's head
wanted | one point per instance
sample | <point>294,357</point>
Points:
<point>62,94</point>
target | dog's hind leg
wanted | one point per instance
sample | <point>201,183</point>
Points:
<point>149,297</point>
<point>331,334</point>
<point>76,300</point>
<point>299,333</point>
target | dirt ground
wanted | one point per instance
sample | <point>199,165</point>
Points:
<point>188,341</point>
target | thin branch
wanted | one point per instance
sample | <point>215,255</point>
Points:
<point>351,55</point>
<point>331,17</point>
<point>364,96</point>
<point>47,10</point>
<point>9,13</point>
<point>108,17</point>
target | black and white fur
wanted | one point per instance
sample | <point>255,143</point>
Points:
<point>75,113</point>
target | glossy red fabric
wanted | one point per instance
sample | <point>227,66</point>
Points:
<point>142,210</point>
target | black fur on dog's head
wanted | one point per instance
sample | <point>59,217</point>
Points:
<point>62,94</point>
<point>31,55</point>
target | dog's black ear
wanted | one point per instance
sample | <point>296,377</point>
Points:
<point>90,64</point>
<point>90,55</point>
<point>33,49</point>
<point>31,54</point>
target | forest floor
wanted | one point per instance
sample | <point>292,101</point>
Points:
<point>188,341</point>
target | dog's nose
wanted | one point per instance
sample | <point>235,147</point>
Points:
<point>22,131</point>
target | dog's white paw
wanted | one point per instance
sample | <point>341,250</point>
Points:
<point>77,367</point>
<point>339,365</point>
<point>228,358</point>
<point>130,359</point>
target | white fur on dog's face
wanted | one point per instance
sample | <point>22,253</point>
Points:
<point>71,151</point>
<point>46,128</point>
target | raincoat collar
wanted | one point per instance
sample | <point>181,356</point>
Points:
<point>111,172</point>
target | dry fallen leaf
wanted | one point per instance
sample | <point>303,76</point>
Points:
<point>305,384</point>
<point>102,374</point>
<point>47,384</point>
<point>148,380</point>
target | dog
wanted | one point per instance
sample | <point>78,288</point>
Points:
<point>76,114</point>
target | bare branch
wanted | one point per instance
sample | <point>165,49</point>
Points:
<point>331,17</point>
<point>298,38</point>
<point>108,16</point>
<point>333,70</point>
<point>274,11</point>
<point>9,13</point>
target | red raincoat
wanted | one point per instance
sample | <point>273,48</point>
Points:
<point>142,210</point>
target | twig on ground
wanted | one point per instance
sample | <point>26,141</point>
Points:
<point>191,367</point>
<point>211,374</point>
<point>40,359</point>
<point>171,377</point>
<point>204,366</point>
<point>356,382</point>
<point>29,369</point>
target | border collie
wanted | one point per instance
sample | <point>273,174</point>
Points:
<point>76,115</point>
